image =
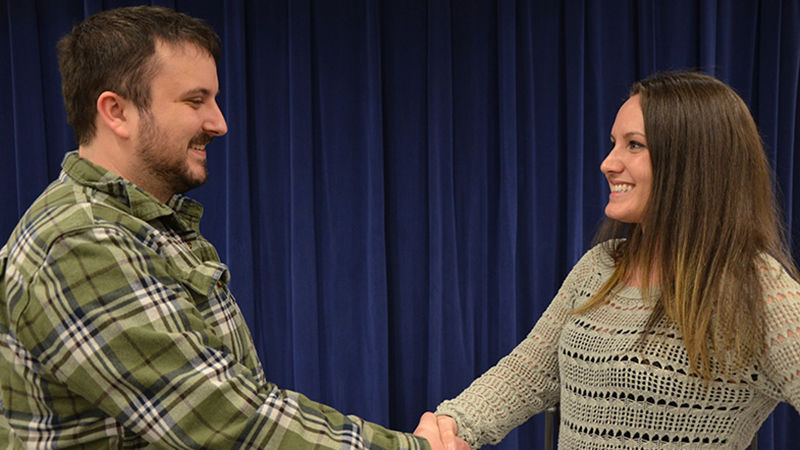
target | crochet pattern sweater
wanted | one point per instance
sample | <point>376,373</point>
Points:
<point>615,393</point>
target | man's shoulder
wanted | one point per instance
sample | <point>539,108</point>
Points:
<point>63,208</point>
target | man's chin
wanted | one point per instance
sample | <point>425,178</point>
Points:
<point>197,174</point>
<point>197,182</point>
<point>190,181</point>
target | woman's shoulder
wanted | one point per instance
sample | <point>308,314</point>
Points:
<point>774,276</point>
<point>597,264</point>
<point>601,255</point>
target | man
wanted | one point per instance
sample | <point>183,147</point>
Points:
<point>117,328</point>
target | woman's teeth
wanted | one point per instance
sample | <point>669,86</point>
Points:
<point>621,187</point>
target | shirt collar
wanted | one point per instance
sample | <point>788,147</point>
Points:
<point>142,204</point>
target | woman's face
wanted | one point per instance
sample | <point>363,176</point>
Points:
<point>627,167</point>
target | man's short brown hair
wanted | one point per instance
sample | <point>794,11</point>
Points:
<point>113,51</point>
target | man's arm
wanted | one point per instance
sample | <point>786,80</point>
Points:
<point>115,331</point>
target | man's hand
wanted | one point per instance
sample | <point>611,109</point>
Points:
<point>447,432</point>
<point>440,431</point>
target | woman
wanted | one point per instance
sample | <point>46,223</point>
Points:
<point>683,326</point>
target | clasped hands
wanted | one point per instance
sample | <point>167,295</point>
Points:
<point>440,431</point>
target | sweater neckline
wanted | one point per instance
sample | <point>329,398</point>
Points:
<point>634,292</point>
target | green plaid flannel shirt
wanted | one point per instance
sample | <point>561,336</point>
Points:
<point>117,330</point>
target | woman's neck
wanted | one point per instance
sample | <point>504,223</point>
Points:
<point>636,276</point>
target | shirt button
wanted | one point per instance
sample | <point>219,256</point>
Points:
<point>189,244</point>
<point>219,284</point>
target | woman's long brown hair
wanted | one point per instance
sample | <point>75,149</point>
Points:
<point>710,220</point>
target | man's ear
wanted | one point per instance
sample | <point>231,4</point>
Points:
<point>117,113</point>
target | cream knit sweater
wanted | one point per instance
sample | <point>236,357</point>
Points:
<point>614,395</point>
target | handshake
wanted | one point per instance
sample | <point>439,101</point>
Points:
<point>440,431</point>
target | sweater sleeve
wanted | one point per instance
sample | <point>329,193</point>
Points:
<point>526,381</point>
<point>781,362</point>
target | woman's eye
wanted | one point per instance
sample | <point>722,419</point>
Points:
<point>636,144</point>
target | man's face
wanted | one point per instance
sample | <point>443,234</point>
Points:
<point>183,117</point>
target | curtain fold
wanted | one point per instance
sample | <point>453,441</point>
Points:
<point>27,116</point>
<point>405,184</point>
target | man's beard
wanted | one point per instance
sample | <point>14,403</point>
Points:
<point>166,166</point>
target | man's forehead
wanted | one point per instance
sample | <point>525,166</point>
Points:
<point>184,69</point>
<point>181,48</point>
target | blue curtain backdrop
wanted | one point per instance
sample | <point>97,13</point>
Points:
<point>406,183</point>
